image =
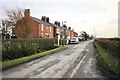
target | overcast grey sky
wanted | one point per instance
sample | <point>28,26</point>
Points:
<point>82,15</point>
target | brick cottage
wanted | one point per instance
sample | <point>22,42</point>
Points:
<point>30,27</point>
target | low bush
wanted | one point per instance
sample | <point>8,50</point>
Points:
<point>61,41</point>
<point>14,49</point>
<point>39,37</point>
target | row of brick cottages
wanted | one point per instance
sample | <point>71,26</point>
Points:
<point>41,27</point>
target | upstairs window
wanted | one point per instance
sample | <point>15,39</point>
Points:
<point>42,27</point>
<point>50,29</point>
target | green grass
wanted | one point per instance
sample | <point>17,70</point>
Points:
<point>10,63</point>
<point>109,60</point>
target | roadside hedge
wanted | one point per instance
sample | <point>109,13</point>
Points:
<point>111,45</point>
<point>13,49</point>
<point>61,41</point>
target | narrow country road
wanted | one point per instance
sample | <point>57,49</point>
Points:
<point>77,61</point>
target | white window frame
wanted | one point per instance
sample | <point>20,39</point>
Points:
<point>42,34</point>
<point>42,25</point>
<point>50,35</point>
<point>57,29</point>
<point>50,29</point>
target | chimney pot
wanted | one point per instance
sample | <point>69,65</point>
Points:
<point>27,13</point>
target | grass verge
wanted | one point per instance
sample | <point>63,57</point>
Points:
<point>11,63</point>
<point>108,59</point>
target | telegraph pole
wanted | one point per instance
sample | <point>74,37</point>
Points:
<point>94,33</point>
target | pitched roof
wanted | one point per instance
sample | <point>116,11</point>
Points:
<point>49,24</point>
<point>40,21</point>
<point>55,25</point>
<point>58,26</point>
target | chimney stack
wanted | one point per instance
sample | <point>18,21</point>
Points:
<point>69,28</point>
<point>65,26</point>
<point>47,19</point>
<point>56,22</point>
<point>44,18</point>
<point>27,13</point>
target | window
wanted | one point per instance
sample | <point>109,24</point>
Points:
<point>58,30</point>
<point>50,35</point>
<point>42,34</point>
<point>50,29</point>
<point>42,27</point>
<point>47,35</point>
<point>73,39</point>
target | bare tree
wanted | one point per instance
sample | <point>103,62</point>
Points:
<point>23,28</point>
<point>16,20</point>
<point>14,15</point>
<point>10,22</point>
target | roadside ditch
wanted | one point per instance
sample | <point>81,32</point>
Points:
<point>103,67</point>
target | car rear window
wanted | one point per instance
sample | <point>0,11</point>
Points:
<point>73,39</point>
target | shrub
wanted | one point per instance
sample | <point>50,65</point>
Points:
<point>61,41</point>
<point>39,37</point>
<point>111,45</point>
<point>13,49</point>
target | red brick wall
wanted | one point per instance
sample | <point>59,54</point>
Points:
<point>35,30</point>
<point>71,34</point>
<point>46,32</point>
<point>20,29</point>
<point>68,33</point>
<point>57,31</point>
<point>76,34</point>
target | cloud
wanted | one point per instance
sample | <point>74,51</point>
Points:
<point>82,15</point>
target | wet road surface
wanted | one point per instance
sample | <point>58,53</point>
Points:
<point>77,61</point>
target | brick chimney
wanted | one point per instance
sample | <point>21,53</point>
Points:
<point>43,18</point>
<point>56,22</point>
<point>27,13</point>
<point>69,28</point>
<point>47,19</point>
<point>64,26</point>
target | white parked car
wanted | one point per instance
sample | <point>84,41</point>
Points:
<point>74,40</point>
